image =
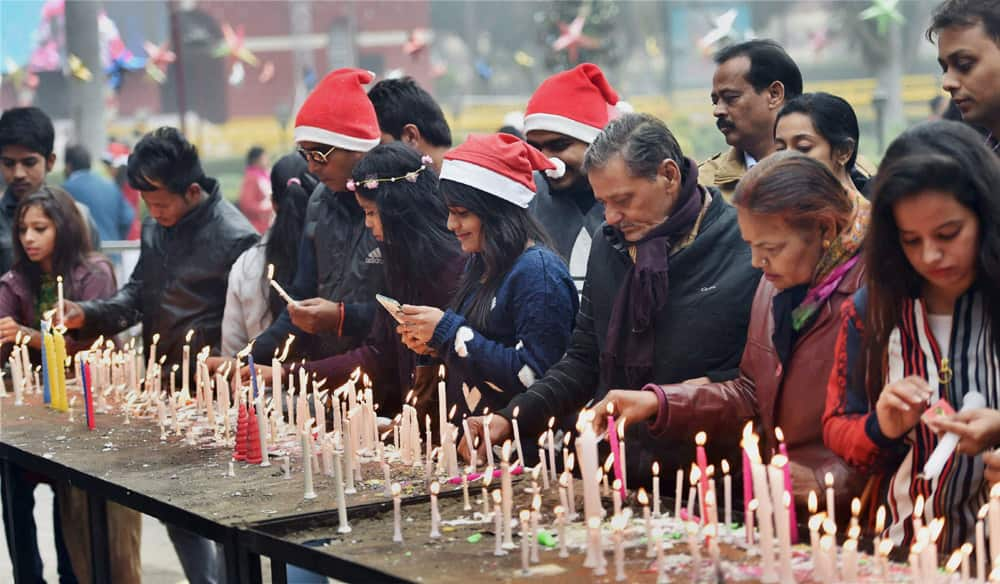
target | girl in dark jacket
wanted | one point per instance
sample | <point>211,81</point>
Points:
<point>513,314</point>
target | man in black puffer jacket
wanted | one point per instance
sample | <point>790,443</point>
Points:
<point>189,243</point>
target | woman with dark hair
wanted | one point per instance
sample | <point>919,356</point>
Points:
<point>924,328</point>
<point>251,303</point>
<point>513,313</point>
<point>398,191</point>
<point>50,241</point>
<point>823,127</point>
<point>805,232</point>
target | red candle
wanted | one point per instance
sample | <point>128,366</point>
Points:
<point>747,478</point>
<point>615,448</point>
<point>699,439</point>
<point>783,450</point>
<point>88,396</point>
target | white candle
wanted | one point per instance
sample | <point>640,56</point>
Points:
<point>435,514</point>
<point>571,513</point>
<point>487,479</point>
<point>397,534</point>
<point>656,489</point>
<point>536,505</point>
<point>727,494</point>
<point>994,520</point>
<point>552,450</point>
<point>466,503</point>
<point>586,444</point>
<point>486,439</point>
<point>338,480</point>
<point>981,544</point>
<point>473,455</point>
<point>966,552</point>
<point>186,366</point>
<point>765,511</point>
<point>849,560</point>
<point>497,523</point>
<point>616,497</point>
<point>442,406</point>
<point>262,429</point>
<point>307,461</point>
<point>507,491</point>
<point>542,468</point>
<point>618,532</point>
<point>560,512</point>
<point>525,566</point>
<point>647,521</point>
<point>781,501</point>
<point>594,529</point>
<point>830,505</point>
<point>517,436</point>
<point>678,490</point>
<point>661,565</point>
<point>59,302</point>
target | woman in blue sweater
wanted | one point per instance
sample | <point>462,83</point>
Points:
<point>513,313</point>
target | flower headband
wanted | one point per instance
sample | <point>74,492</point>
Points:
<point>372,183</point>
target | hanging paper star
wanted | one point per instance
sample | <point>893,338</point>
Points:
<point>78,69</point>
<point>160,57</point>
<point>884,13</point>
<point>237,74</point>
<point>484,70</point>
<point>438,70</point>
<point>524,59</point>
<point>819,40</point>
<point>722,29</point>
<point>572,39</point>
<point>232,46</point>
<point>419,37</point>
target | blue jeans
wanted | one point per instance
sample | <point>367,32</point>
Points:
<point>201,558</point>
<point>297,575</point>
<point>20,520</point>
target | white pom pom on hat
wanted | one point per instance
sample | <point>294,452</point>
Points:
<point>558,171</point>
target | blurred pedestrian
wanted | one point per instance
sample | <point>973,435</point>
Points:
<point>115,159</point>
<point>255,192</point>
<point>109,209</point>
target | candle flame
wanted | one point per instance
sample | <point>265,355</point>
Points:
<point>570,461</point>
<point>396,489</point>
<point>855,506</point>
<point>187,337</point>
<point>441,372</point>
<point>813,502</point>
<point>610,408</point>
<point>505,452</point>
<point>517,410</point>
<point>779,434</point>
<point>487,476</point>
<point>851,545</point>
<point>451,412</point>
<point>156,338</point>
<point>566,439</point>
<point>496,497</point>
<point>270,271</point>
<point>700,438</point>
<point>710,471</point>
<point>609,461</point>
<point>288,345</point>
<point>753,505</point>
<point>710,498</point>
<point>828,479</point>
<point>616,486</point>
<point>435,488</point>
<point>643,498</point>
<point>826,543</point>
<point>984,510</point>
<point>536,471</point>
<point>621,428</point>
<point>936,526</point>
<point>656,468</point>
<point>815,522</point>
<point>918,507</point>
<point>552,422</point>
<point>725,466</point>
<point>966,549</point>
<point>695,474</point>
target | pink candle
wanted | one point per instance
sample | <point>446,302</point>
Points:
<point>615,448</point>
<point>699,439</point>
<point>783,450</point>
<point>747,478</point>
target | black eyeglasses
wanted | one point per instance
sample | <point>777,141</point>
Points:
<point>315,155</point>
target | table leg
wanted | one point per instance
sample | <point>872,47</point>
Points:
<point>100,557</point>
<point>278,573</point>
<point>249,567</point>
<point>8,509</point>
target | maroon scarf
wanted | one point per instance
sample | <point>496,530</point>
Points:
<point>630,339</point>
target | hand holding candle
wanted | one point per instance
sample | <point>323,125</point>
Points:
<point>277,287</point>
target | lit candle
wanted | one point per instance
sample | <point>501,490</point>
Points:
<point>338,480</point>
<point>621,453</point>
<point>815,522</point>
<point>656,489</point>
<point>486,438</point>
<point>830,505</point>
<point>966,552</point>
<point>542,466</point>
<point>466,504</point>
<point>397,534</point>
<point>442,407</point>
<point>186,367</point>
<point>615,456</point>
<point>261,428</point>
<point>782,501</point>
<point>765,509</point>
<point>783,450</point>
<point>552,450</point>
<point>435,514</point>
<point>307,460</point>
<point>487,479</point>
<point>517,435</point>
<point>473,455</point>
<point>59,302</point>
<point>702,459</point>
<point>849,560</point>
<point>727,494</point>
<point>694,479</point>
<point>586,444</point>
<point>497,521</point>
<point>648,521</point>
<point>277,287</point>
<point>884,549</point>
<point>618,533</point>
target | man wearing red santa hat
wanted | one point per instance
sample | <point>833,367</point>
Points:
<point>565,114</point>
<point>340,266</point>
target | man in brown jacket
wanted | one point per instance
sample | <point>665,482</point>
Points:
<point>751,84</point>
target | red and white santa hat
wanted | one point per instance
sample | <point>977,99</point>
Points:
<point>577,103</point>
<point>339,113</point>
<point>499,164</point>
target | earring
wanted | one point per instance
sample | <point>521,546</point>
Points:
<point>826,244</point>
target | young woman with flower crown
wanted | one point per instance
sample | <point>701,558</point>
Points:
<point>398,192</point>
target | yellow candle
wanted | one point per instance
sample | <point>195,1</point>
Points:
<point>50,364</point>
<point>57,376</point>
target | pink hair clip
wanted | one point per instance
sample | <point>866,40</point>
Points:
<point>371,184</point>
<point>425,159</point>
<point>412,177</point>
<point>351,186</point>
<point>294,180</point>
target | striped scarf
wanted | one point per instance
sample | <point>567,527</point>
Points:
<point>959,492</point>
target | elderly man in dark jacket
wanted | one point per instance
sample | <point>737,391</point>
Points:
<point>667,295</point>
<point>189,243</point>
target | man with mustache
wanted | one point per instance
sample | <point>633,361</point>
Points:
<point>968,39</point>
<point>565,114</point>
<point>752,82</point>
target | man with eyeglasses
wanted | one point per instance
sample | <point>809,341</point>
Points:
<point>340,265</point>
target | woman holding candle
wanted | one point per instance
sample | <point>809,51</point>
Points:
<point>51,240</point>
<point>251,304</point>
<point>422,263</point>
<point>805,232</point>
<point>513,313</point>
<point>923,328</point>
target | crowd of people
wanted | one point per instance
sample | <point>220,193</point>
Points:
<point>784,282</point>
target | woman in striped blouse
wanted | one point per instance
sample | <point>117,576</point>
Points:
<point>925,327</point>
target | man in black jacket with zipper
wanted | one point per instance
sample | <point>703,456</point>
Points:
<point>189,243</point>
